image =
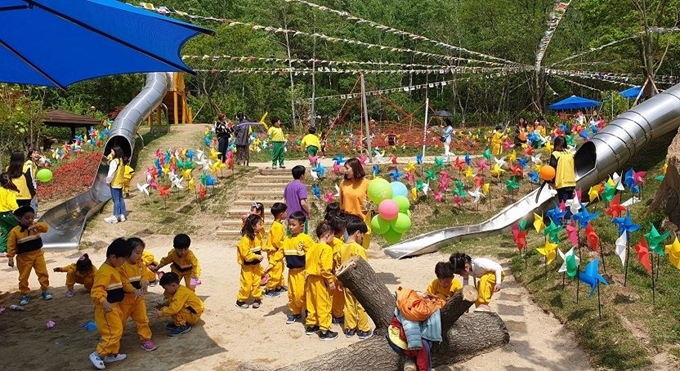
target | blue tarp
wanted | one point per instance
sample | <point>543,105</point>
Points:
<point>60,42</point>
<point>574,102</point>
<point>632,93</point>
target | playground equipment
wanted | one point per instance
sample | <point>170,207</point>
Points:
<point>607,151</point>
<point>67,220</point>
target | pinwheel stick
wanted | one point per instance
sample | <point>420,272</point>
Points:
<point>599,302</point>
<point>653,289</point>
<point>578,281</point>
<point>625,273</point>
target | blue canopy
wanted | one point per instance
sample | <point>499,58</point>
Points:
<point>632,93</point>
<point>60,42</point>
<point>574,102</point>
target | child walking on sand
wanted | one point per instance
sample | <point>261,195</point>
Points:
<point>249,256</point>
<point>277,233</point>
<point>356,319</point>
<point>319,284</point>
<point>82,272</point>
<point>486,272</point>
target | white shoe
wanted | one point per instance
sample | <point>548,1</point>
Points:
<point>122,218</point>
<point>116,358</point>
<point>97,361</point>
<point>111,219</point>
<point>483,308</point>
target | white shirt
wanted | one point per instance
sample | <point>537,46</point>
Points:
<point>482,266</point>
<point>113,166</point>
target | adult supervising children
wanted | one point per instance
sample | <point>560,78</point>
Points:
<point>295,194</point>
<point>354,193</point>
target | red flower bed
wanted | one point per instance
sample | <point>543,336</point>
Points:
<point>70,178</point>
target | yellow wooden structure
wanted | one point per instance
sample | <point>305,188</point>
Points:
<point>175,100</point>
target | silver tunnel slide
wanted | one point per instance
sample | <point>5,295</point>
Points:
<point>67,220</point>
<point>608,151</point>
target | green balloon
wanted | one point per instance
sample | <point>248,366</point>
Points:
<point>44,175</point>
<point>402,223</point>
<point>392,236</point>
<point>408,213</point>
<point>403,203</point>
<point>379,224</point>
<point>378,190</point>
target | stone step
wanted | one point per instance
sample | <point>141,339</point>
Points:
<point>234,234</point>
<point>279,172</point>
<point>260,194</point>
<point>266,202</point>
<point>266,185</point>
<point>271,179</point>
<point>237,212</point>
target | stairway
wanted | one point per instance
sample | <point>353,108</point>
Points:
<point>266,187</point>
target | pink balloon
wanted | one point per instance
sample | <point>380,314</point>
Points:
<point>388,209</point>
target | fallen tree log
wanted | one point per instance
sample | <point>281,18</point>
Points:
<point>464,335</point>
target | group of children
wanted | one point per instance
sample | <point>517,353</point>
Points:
<point>312,285</point>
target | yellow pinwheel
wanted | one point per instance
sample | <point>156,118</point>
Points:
<point>549,251</point>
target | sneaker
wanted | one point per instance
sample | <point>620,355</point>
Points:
<point>46,295</point>
<point>271,293</point>
<point>115,358</point>
<point>256,304</point>
<point>170,326</point>
<point>242,304</point>
<point>483,308</point>
<point>153,283</point>
<point>25,300</point>
<point>122,218</point>
<point>273,167</point>
<point>350,332</point>
<point>97,361</point>
<point>69,293</point>
<point>282,167</point>
<point>148,345</point>
<point>282,289</point>
<point>293,318</point>
<point>339,320</point>
<point>111,219</point>
<point>327,335</point>
<point>311,330</point>
<point>179,330</point>
<point>364,334</point>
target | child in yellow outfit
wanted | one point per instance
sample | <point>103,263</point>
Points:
<point>183,261</point>
<point>295,247</point>
<point>310,143</point>
<point>338,223</point>
<point>25,243</point>
<point>128,173</point>
<point>444,286</point>
<point>107,293</point>
<point>135,276</point>
<point>356,319</point>
<point>319,284</point>
<point>497,140</point>
<point>82,272</point>
<point>486,272</point>
<point>183,306</point>
<point>249,256</point>
<point>277,233</point>
<point>8,203</point>
<point>151,263</point>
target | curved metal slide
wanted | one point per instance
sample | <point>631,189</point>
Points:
<point>608,151</point>
<point>67,220</point>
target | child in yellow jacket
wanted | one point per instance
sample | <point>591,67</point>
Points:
<point>319,284</point>
<point>82,272</point>
<point>183,306</point>
<point>8,203</point>
<point>107,293</point>
<point>277,233</point>
<point>356,319</point>
<point>339,224</point>
<point>183,261</point>
<point>497,140</point>
<point>444,286</point>
<point>135,276</point>
<point>25,243</point>
<point>310,143</point>
<point>249,256</point>
<point>128,173</point>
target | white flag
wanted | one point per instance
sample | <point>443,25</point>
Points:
<point>621,243</point>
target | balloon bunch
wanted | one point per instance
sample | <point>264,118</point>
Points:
<point>394,216</point>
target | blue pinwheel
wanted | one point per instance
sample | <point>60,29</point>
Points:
<point>584,134</point>
<point>316,190</point>
<point>320,171</point>
<point>419,159</point>
<point>396,175</point>
<point>376,170</point>
<point>533,177</point>
<point>594,129</point>
<point>629,178</point>
<point>340,159</point>
<point>592,276</point>
<point>556,214</point>
<point>584,217</point>
<point>626,225</point>
<point>190,154</point>
<point>523,161</point>
<point>467,158</point>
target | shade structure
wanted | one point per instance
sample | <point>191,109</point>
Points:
<point>632,93</point>
<point>60,42</point>
<point>574,102</point>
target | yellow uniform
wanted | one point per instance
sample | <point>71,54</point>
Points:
<point>8,203</point>
<point>8,200</point>
<point>128,173</point>
<point>119,176</point>
<point>310,140</point>
<point>276,134</point>
<point>73,276</point>
<point>564,173</point>
<point>248,256</point>
<point>148,259</point>
<point>436,289</point>
<point>338,295</point>
<point>184,307</point>
<point>277,232</point>
<point>318,268</point>
<point>186,266</point>
<point>355,315</point>
<point>496,142</point>
<point>27,247</point>
<point>294,250</point>
<point>132,275</point>
<point>108,287</point>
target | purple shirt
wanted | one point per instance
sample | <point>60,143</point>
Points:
<point>295,192</point>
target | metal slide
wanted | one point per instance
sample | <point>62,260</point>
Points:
<point>67,220</point>
<point>608,151</point>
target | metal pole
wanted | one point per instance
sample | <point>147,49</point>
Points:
<point>427,108</point>
<point>368,130</point>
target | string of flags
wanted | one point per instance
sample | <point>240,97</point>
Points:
<point>595,49</point>
<point>395,31</point>
<point>309,71</point>
<point>554,19</point>
<point>609,76</point>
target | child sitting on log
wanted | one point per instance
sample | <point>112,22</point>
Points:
<point>488,273</point>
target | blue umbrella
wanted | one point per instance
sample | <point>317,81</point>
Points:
<point>59,42</point>
<point>574,102</point>
<point>632,93</point>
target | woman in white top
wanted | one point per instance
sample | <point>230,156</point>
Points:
<point>447,132</point>
<point>488,273</point>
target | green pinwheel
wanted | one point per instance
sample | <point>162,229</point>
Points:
<point>431,175</point>
<point>511,185</point>
<point>654,240</point>
<point>570,140</point>
<point>487,154</point>
<point>609,192</point>
<point>459,190</point>
<point>438,162</point>
<point>552,231</point>
<point>420,185</point>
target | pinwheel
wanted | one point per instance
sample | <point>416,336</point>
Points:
<point>476,195</point>
<point>548,147</point>
<point>376,171</point>
<point>552,230</point>
<point>572,234</point>
<point>487,154</point>
<point>177,182</point>
<point>538,223</point>
<point>163,191</point>
<point>574,204</point>
<point>438,162</point>
<point>519,236</point>
<point>393,159</point>
<point>201,192</point>
<point>396,175</point>
<point>191,185</point>
<point>414,194</point>
<point>654,239</point>
<point>556,213</point>
<point>511,185</point>
<point>419,185</point>
<point>316,191</point>
<point>497,171</point>
<point>629,178</point>
<point>410,167</point>
<point>537,159</point>
<point>469,173</point>
<point>486,188</point>
<point>314,174</point>
<point>507,144</point>
<point>438,196</point>
<point>143,188</point>
<point>337,169</point>
<point>500,162</point>
<point>584,217</point>
<point>328,197</point>
<point>591,276</point>
<point>615,208</point>
<point>529,151</point>
<point>363,159</point>
<point>378,157</point>
<point>459,164</point>
<point>458,200</point>
<point>468,160</point>
<point>626,224</point>
<point>313,160</point>
<point>570,263</point>
<point>592,238</point>
<point>533,177</point>
<point>608,193</point>
<point>431,175</point>
<point>340,159</point>
<point>673,253</point>
<point>548,250</point>
<point>419,159</point>
<point>594,192</point>
<point>478,181</point>
<point>153,184</point>
<point>481,166</point>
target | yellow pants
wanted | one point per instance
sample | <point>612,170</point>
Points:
<point>110,326</point>
<point>318,302</point>
<point>338,306</point>
<point>250,283</point>
<point>184,316</point>
<point>355,314</point>
<point>485,285</point>
<point>72,279</point>
<point>276,280</point>
<point>186,276</point>
<point>136,308</point>
<point>296,290</point>
<point>32,260</point>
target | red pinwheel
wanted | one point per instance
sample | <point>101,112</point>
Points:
<point>459,164</point>
<point>164,191</point>
<point>642,250</point>
<point>520,238</point>
<point>593,238</point>
<point>615,208</point>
